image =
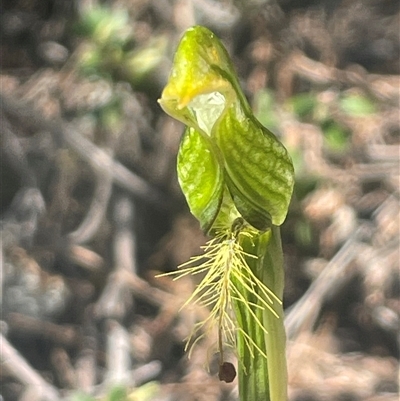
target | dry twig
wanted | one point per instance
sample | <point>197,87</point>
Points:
<point>336,274</point>
<point>13,363</point>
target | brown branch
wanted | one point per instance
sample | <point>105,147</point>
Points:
<point>382,87</point>
<point>337,272</point>
<point>59,334</point>
<point>31,121</point>
<point>18,367</point>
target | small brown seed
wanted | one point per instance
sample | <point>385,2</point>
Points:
<point>227,372</point>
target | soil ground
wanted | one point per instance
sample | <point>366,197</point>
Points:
<point>91,210</point>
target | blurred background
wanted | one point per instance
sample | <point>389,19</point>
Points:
<point>91,210</point>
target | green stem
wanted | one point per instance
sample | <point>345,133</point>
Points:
<point>252,369</point>
<point>261,378</point>
<point>273,278</point>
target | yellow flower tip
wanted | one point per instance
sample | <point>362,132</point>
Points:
<point>174,103</point>
<point>181,92</point>
<point>184,101</point>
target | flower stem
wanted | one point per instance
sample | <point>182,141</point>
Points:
<point>263,378</point>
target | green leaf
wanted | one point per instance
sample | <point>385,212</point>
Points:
<point>200,176</point>
<point>106,26</point>
<point>302,104</point>
<point>335,136</point>
<point>117,393</point>
<point>79,396</point>
<point>141,62</point>
<point>357,105</point>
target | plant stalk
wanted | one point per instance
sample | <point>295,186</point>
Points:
<point>263,378</point>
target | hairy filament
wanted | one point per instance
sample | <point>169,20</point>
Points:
<point>227,274</point>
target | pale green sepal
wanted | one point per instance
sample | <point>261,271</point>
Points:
<point>198,167</point>
<point>259,171</point>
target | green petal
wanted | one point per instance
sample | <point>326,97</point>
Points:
<point>200,176</point>
<point>259,170</point>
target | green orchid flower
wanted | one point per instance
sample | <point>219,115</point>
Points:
<point>224,148</point>
<point>238,179</point>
